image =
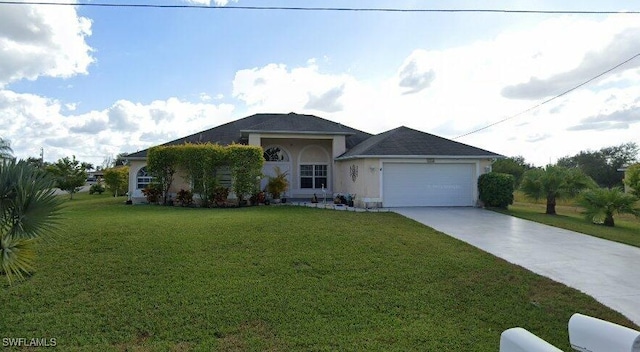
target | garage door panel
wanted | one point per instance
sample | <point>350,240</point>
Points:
<point>406,184</point>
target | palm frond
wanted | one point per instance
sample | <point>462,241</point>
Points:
<point>29,210</point>
<point>17,257</point>
<point>599,203</point>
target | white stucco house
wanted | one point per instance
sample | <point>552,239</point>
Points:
<point>400,167</point>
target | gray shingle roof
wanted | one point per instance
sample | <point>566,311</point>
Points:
<point>292,123</point>
<point>404,141</point>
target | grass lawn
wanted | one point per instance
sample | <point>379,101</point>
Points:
<point>277,278</point>
<point>627,229</point>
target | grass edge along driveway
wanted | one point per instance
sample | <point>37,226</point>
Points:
<point>627,229</point>
<point>277,278</point>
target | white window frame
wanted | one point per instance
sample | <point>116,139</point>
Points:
<point>314,176</point>
<point>143,178</point>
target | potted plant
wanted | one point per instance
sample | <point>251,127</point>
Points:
<point>277,184</point>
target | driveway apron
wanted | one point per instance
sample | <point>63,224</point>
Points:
<point>606,270</point>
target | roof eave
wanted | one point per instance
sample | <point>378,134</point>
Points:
<point>364,156</point>
<point>298,132</point>
<point>136,158</point>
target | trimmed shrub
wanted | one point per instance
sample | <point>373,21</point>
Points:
<point>96,188</point>
<point>496,189</point>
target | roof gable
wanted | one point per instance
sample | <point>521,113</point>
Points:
<point>232,132</point>
<point>404,141</point>
<point>297,123</point>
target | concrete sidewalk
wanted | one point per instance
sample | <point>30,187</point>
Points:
<point>606,270</point>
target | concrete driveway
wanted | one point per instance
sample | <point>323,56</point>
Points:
<point>605,270</point>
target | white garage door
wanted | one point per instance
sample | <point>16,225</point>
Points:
<point>427,184</point>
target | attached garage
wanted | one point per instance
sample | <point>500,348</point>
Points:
<point>428,184</point>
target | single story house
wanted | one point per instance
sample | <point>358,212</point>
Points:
<point>400,167</point>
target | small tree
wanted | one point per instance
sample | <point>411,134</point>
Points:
<point>601,204</point>
<point>201,164</point>
<point>632,179</point>
<point>554,182</point>
<point>117,180</point>
<point>246,168</point>
<point>496,189</point>
<point>29,209</point>
<point>69,174</point>
<point>162,163</point>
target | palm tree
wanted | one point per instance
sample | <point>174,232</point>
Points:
<point>28,210</point>
<point>5,149</point>
<point>554,182</point>
<point>602,203</point>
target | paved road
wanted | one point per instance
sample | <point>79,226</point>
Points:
<point>608,271</point>
<point>82,189</point>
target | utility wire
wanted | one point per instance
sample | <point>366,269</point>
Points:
<point>550,99</point>
<point>355,9</point>
<point>293,8</point>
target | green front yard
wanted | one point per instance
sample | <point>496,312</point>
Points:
<point>627,229</point>
<point>278,278</point>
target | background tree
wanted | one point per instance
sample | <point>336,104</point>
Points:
<point>117,180</point>
<point>28,210</point>
<point>602,203</point>
<point>37,162</point>
<point>515,166</point>
<point>109,162</point>
<point>5,149</point>
<point>554,182</point>
<point>121,159</point>
<point>632,179</point>
<point>602,165</point>
<point>69,174</point>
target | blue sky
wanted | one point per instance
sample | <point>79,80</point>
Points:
<point>95,81</point>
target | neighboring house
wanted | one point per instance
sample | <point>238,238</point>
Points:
<point>624,169</point>
<point>400,167</point>
<point>94,176</point>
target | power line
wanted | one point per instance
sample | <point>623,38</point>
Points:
<point>294,8</point>
<point>550,99</point>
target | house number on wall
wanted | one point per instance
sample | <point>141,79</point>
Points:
<point>354,172</point>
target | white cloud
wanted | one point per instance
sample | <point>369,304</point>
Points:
<point>621,46</point>
<point>42,41</point>
<point>275,87</point>
<point>458,90</point>
<point>415,74</point>
<point>30,122</point>
<point>205,97</point>
<point>327,101</point>
<point>448,91</point>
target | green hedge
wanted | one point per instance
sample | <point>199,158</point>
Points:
<point>496,189</point>
<point>201,162</point>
